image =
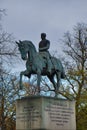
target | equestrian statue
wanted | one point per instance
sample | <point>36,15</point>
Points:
<point>40,63</point>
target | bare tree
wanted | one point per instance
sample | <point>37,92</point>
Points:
<point>75,48</point>
<point>8,86</point>
<point>8,48</point>
<point>9,92</point>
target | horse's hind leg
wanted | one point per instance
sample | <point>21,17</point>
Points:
<point>56,85</point>
<point>38,80</point>
<point>51,78</point>
<point>58,74</point>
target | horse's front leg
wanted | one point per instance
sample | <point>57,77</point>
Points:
<point>21,74</point>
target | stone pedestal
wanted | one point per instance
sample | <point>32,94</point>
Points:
<point>45,113</point>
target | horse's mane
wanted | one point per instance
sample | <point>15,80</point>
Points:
<point>29,43</point>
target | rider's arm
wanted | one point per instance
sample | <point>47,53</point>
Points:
<point>45,48</point>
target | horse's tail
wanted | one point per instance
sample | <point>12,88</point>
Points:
<point>57,65</point>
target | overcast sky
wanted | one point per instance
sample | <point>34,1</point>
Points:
<point>27,19</point>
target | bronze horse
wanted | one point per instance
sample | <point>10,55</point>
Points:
<point>35,64</point>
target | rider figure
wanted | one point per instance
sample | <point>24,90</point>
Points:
<point>44,45</point>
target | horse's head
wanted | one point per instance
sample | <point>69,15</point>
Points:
<point>23,48</point>
<point>27,49</point>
